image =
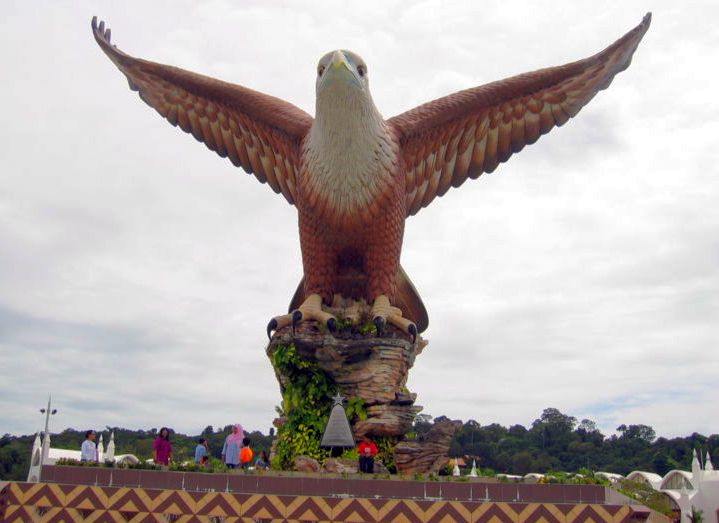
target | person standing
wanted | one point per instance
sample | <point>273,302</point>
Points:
<point>162,448</point>
<point>367,451</point>
<point>233,445</point>
<point>88,449</point>
<point>201,452</point>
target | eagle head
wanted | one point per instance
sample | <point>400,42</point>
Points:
<point>342,72</point>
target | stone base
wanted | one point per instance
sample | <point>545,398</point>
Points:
<point>365,366</point>
<point>375,368</point>
<point>428,455</point>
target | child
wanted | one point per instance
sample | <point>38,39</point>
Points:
<point>246,454</point>
<point>263,462</point>
<point>201,457</point>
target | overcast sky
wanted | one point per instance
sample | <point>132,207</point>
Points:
<point>138,269</point>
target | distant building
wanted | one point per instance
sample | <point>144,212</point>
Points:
<point>533,477</point>
<point>43,454</point>
<point>648,478</point>
<point>698,489</point>
<point>610,476</point>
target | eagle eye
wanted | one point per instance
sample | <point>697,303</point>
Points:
<point>362,70</point>
<point>320,69</point>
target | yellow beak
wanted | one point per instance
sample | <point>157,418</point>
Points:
<point>339,60</point>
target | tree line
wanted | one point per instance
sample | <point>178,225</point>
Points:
<point>554,442</point>
<point>559,442</point>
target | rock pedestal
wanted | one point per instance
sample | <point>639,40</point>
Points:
<point>361,364</point>
<point>365,366</point>
<point>430,454</point>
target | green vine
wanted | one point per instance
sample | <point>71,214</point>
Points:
<point>305,405</point>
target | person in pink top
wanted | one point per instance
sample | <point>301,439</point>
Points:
<point>162,448</point>
<point>233,445</point>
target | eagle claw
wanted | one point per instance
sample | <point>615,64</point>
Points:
<point>296,318</point>
<point>380,323</point>
<point>412,329</point>
<point>272,325</point>
<point>311,309</point>
<point>383,313</point>
<point>332,325</point>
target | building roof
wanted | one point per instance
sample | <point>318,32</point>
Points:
<point>533,475</point>
<point>611,476</point>
<point>688,476</point>
<point>645,477</point>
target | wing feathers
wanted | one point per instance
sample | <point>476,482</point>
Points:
<point>259,133</point>
<point>460,136</point>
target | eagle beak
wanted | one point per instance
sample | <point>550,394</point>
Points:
<point>340,72</point>
<point>339,60</point>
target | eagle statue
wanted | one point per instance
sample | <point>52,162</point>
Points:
<point>356,177</point>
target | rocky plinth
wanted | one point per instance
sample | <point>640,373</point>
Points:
<point>430,454</point>
<point>362,364</point>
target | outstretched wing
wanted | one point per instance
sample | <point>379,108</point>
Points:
<point>468,133</point>
<point>257,132</point>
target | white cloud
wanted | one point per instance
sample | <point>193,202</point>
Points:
<point>138,271</point>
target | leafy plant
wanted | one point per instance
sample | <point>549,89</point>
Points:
<point>305,405</point>
<point>385,452</point>
<point>368,328</point>
<point>350,454</point>
<point>356,409</point>
<point>345,326</point>
<point>142,465</point>
<point>71,462</point>
<point>646,495</point>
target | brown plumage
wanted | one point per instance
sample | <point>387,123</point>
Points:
<point>355,177</point>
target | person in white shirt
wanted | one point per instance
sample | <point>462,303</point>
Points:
<point>88,450</point>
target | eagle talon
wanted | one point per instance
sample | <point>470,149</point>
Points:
<point>296,318</point>
<point>412,330</point>
<point>383,312</point>
<point>379,323</point>
<point>332,325</point>
<point>277,323</point>
<point>272,325</point>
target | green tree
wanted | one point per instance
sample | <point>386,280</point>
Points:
<point>643,432</point>
<point>522,463</point>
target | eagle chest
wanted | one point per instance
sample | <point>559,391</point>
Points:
<point>349,181</point>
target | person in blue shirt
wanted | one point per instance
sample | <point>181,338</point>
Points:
<point>201,452</point>
<point>263,462</point>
